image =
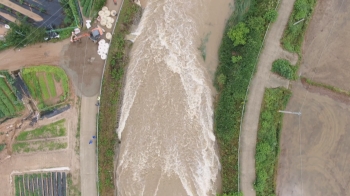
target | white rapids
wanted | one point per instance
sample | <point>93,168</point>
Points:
<point>166,124</point>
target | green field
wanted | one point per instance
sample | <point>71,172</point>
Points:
<point>56,129</point>
<point>9,104</point>
<point>41,83</point>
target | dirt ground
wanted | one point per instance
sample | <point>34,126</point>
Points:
<point>24,162</point>
<point>71,57</point>
<point>326,44</point>
<point>314,156</point>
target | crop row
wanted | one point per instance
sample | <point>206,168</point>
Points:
<point>48,184</point>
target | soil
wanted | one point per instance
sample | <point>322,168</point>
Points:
<point>22,10</point>
<point>330,24</point>
<point>8,17</point>
<point>25,162</point>
<point>314,155</point>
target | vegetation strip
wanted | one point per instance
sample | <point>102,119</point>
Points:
<point>110,97</point>
<point>238,53</point>
<point>56,129</point>
<point>26,147</point>
<point>326,86</point>
<point>298,21</point>
<point>267,145</point>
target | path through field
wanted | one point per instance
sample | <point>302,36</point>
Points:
<point>262,79</point>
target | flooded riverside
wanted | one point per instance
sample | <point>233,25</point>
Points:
<point>166,126</point>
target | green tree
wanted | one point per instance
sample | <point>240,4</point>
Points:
<point>238,34</point>
<point>24,34</point>
<point>284,68</point>
<point>271,16</point>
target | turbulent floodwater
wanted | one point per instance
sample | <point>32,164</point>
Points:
<point>166,126</point>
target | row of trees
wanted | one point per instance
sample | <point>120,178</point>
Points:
<point>238,58</point>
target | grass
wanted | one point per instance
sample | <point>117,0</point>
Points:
<point>2,147</point>
<point>293,35</point>
<point>267,146</point>
<point>26,147</point>
<point>111,88</point>
<point>77,135</point>
<point>232,80</point>
<point>73,189</point>
<point>56,129</point>
<point>326,86</point>
<point>38,87</point>
<point>283,68</point>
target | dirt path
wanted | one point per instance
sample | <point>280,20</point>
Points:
<point>8,17</point>
<point>20,9</point>
<point>44,53</point>
<point>263,78</point>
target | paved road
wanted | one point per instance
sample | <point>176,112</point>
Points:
<point>262,79</point>
<point>88,158</point>
<point>88,173</point>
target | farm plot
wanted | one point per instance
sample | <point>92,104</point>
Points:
<point>48,184</point>
<point>56,129</point>
<point>47,84</point>
<point>9,104</point>
<point>45,138</point>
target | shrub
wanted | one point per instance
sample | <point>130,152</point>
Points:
<point>228,110</point>
<point>283,68</point>
<point>271,16</point>
<point>238,34</point>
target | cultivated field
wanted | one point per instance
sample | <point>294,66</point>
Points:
<point>45,138</point>
<point>9,104</point>
<point>315,146</point>
<point>47,84</point>
<point>49,184</point>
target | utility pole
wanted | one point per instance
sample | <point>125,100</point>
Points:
<point>288,112</point>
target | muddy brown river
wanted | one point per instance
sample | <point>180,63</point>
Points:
<point>166,127</point>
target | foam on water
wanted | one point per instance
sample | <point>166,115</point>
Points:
<point>180,141</point>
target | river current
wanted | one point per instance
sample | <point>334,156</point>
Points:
<point>166,125</point>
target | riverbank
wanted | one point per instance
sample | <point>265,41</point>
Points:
<point>110,98</point>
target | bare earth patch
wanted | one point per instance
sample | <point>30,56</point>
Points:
<point>314,154</point>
